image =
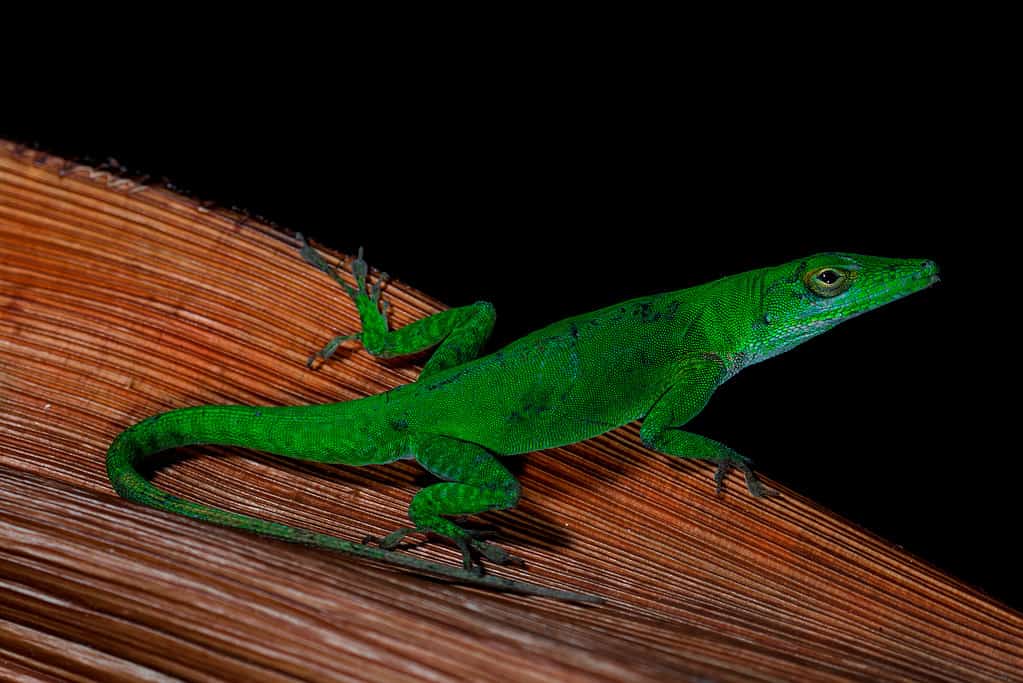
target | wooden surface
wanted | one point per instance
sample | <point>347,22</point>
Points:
<point>119,300</point>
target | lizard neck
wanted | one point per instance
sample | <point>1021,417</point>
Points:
<point>727,322</point>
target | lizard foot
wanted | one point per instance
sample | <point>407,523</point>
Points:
<point>491,551</point>
<point>736,461</point>
<point>372,310</point>
<point>316,360</point>
<point>393,539</point>
<point>497,554</point>
<point>358,267</point>
<point>471,547</point>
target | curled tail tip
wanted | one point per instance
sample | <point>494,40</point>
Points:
<point>122,461</point>
<point>121,471</point>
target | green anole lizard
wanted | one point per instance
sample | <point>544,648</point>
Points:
<point>656,358</point>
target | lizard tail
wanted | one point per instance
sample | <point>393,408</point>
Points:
<point>261,428</point>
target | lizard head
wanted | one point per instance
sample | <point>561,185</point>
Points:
<point>803,298</point>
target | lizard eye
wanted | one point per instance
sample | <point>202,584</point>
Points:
<point>828,277</point>
<point>827,281</point>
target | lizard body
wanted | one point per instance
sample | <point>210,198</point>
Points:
<point>657,358</point>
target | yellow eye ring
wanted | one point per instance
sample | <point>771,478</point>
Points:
<point>828,281</point>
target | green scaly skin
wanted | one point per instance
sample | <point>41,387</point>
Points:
<point>657,359</point>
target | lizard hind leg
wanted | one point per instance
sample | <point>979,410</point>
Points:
<point>475,482</point>
<point>457,333</point>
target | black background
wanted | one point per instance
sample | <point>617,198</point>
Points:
<point>555,187</point>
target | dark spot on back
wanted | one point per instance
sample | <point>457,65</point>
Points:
<point>646,313</point>
<point>447,380</point>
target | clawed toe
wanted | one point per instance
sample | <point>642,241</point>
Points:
<point>497,554</point>
<point>756,488</point>
<point>391,540</point>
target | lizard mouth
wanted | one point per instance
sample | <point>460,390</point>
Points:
<point>929,274</point>
<point>925,276</point>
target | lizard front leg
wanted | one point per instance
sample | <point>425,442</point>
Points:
<point>458,333</point>
<point>476,482</point>
<point>662,430</point>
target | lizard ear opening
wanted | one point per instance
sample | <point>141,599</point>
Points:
<point>828,281</point>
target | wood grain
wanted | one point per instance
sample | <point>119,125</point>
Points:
<point>118,300</point>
